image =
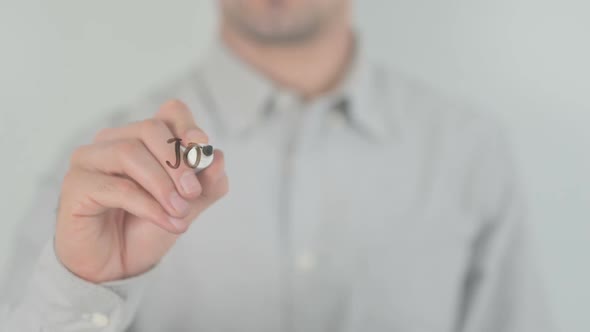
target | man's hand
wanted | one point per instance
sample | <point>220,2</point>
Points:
<point>121,207</point>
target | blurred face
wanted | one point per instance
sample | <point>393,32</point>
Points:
<point>281,21</point>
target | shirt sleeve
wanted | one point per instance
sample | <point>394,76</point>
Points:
<point>503,290</point>
<point>55,299</point>
<point>37,292</point>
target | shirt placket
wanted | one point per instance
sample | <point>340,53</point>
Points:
<point>292,259</point>
<point>296,220</point>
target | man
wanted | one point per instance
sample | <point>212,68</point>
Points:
<point>360,200</point>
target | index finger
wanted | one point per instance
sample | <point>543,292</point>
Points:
<point>178,117</point>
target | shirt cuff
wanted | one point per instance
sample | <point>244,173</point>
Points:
<point>65,302</point>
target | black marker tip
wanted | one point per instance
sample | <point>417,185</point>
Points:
<point>207,150</point>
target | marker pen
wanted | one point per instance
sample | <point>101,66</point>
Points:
<point>198,156</point>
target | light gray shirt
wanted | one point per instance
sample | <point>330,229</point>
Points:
<point>381,206</point>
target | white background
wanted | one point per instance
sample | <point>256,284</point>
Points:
<point>64,62</point>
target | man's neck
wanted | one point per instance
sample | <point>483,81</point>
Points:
<point>310,69</point>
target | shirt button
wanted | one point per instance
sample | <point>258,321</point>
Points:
<point>305,262</point>
<point>99,319</point>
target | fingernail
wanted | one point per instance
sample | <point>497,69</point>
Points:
<point>179,204</point>
<point>179,224</point>
<point>189,182</point>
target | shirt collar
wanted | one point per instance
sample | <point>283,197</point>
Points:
<point>241,94</point>
<point>361,97</point>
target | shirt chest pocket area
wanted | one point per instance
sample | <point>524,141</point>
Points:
<point>415,271</point>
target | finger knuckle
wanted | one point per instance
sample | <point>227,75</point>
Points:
<point>172,107</point>
<point>151,126</point>
<point>105,186</point>
<point>102,134</point>
<point>129,148</point>
<point>77,154</point>
<point>71,176</point>
<point>124,186</point>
